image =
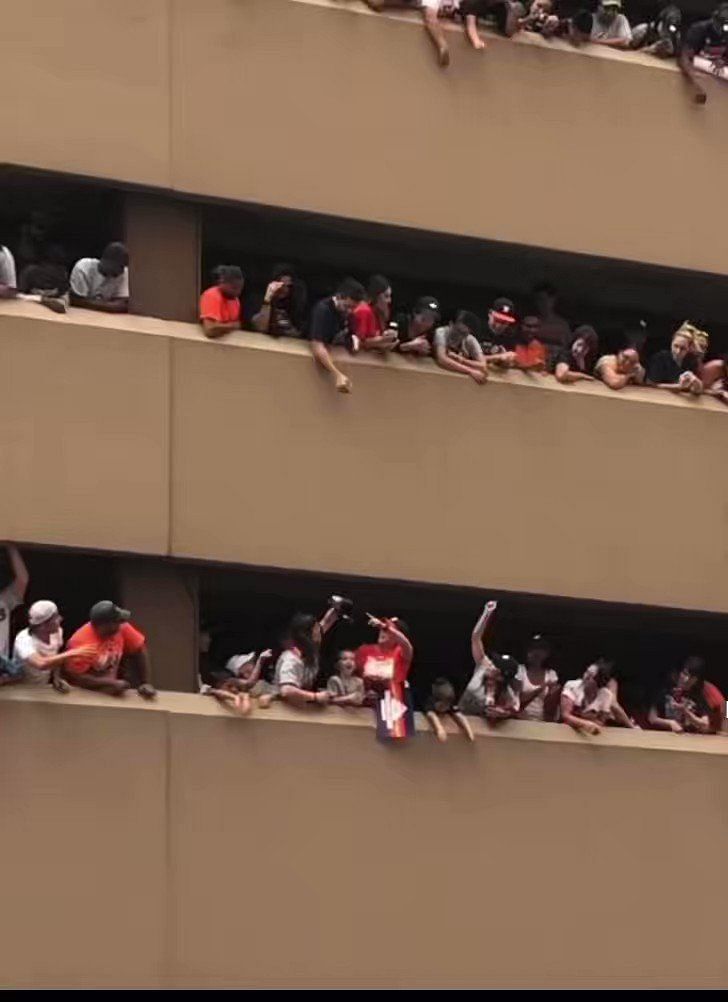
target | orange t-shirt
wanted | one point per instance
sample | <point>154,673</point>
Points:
<point>215,306</point>
<point>109,650</point>
<point>531,355</point>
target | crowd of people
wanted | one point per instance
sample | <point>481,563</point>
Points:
<point>500,687</point>
<point>537,340</point>
<point>108,655</point>
<point>699,48</point>
<point>540,341</point>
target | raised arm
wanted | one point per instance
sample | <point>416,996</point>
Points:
<point>476,639</point>
<point>20,571</point>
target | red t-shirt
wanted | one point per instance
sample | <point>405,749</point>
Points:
<point>365,322</point>
<point>215,306</point>
<point>378,666</point>
<point>531,355</point>
<point>109,650</point>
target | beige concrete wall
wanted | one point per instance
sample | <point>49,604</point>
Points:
<point>88,86</point>
<point>84,446</point>
<point>138,435</point>
<point>324,106</point>
<point>291,850</point>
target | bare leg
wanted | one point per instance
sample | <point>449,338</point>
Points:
<point>464,724</point>
<point>436,725</point>
<point>437,36</point>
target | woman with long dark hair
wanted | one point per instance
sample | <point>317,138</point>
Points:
<point>297,667</point>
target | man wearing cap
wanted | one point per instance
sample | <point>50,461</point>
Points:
<point>706,49</point>
<point>610,26</point>
<point>457,349</point>
<point>415,330</point>
<point>37,649</point>
<point>499,337</point>
<point>116,646</point>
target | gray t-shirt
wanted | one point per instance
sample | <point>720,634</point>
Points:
<point>292,670</point>
<point>450,339</point>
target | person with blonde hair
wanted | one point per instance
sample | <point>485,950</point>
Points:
<point>676,368</point>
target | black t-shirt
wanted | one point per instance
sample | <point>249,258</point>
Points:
<point>327,324</point>
<point>705,39</point>
<point>565,356</point>
<point>662,367</point>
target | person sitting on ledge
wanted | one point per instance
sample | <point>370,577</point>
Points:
<point>370,319</point>
<point>118,657</point>
<point>283,310</point>
<point>676,368</point>
<point>588,703</point>
<point>576,363</point>
<point>102,283</point>
<point>387,661</point>
<point>415,330</point>
<point>441,702</point>
<point>220,304</point>
<point>620,370</point>
<point>705,49</point>
<point>504,12</point>
<point>297,667</point>
<point>345,687</point>
<point>330,326</point>
<point>456,347</point>
<point>37,649</point>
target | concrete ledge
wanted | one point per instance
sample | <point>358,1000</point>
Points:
<point>212,446</point>
<point>263,853</point>
<point>572,112</point>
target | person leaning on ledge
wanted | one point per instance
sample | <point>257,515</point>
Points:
<point>330,326</point>
<point>118,657</point>
<point>102,283</point>
<point>220,307</point>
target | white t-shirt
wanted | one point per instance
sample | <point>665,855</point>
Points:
<point>27,644</point>
<point>87,281</point>
<point>534,709</point>
<point>8,601</point>
<point>7,268</point>
<point>609,31</point>
<point>601,704</point>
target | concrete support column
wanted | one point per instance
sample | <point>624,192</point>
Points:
<point>163,599</point>
<point>163,237</point>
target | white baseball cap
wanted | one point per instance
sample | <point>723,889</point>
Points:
<point>237,662</point>
<point>40,612</point>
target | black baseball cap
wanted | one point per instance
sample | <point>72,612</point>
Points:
<point>538,641</point>
<point>428,304</point>
<point>507,665</point>
<point>107,612</point>
<point>504,310</point>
